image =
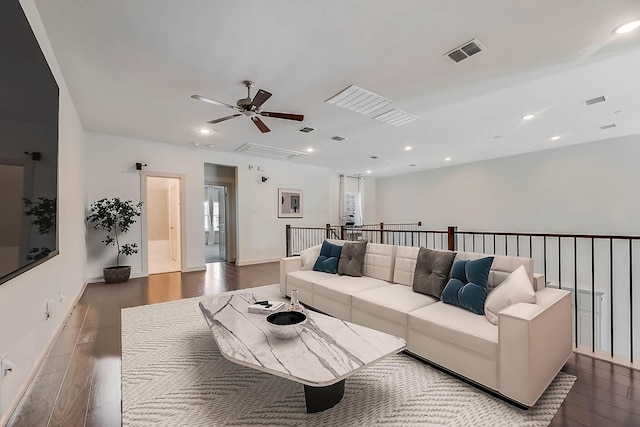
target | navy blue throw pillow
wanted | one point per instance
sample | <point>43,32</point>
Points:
<point>329,257</point>
<point>467,287</point>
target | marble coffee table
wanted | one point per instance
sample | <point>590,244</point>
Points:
<point>321,356</point>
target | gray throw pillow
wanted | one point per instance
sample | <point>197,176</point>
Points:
<point>432,271</point>
<point>352,258</point>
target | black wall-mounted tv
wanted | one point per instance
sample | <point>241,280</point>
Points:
<point>28,147</point>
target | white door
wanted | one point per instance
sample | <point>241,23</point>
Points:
<point>174,222</point>
<point>222,221</point>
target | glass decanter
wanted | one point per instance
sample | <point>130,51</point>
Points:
<point>295,304</point>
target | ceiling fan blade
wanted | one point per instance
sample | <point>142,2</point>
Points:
<point>263,128</point>
<point>211,101</point>
<point>288,116</point>
<point>222,119</point>
<point>260,98</point>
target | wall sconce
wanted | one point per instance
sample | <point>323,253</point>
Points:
<point>139,166</point>
<point>265,178</point>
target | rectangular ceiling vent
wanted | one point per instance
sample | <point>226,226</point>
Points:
<point>464,51</point>
<point>612,125</point>
<point>595,100</point>
<point>306,129</point>
<point>266,151</point>
<point>339,138</point>
<point>396,117</point>
<point>358,100</point>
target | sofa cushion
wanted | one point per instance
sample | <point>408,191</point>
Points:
<point>309,257</point>
<point>341,288</point>
<point>379,260</point>
<point>514,289</point>
<point>467,287</point>
<point>392,302</point>
<point>305,279</point>
<point>352,258</point>
<point>457,326</point>
<point>328,259</point>
<point>432,271</point>
<point>502,266</point>
<point>405,265</point>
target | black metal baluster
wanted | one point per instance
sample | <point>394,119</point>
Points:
<point>593,297</point>
<point>631,298</point>
<point>544,262</point>
<point>611,294</point>
<point>575,289</point>
<point>559,263</point>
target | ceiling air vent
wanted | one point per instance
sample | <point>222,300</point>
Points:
<point>595,100</point>
<point>468,49</point>
<point>396,117</point>
<point>612,125</point>
<point>306,129</point>
<point>358,100</point>
<point>338,138</point>
<point>373,157</point>
<point>266,151</point>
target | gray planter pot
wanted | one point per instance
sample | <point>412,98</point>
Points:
<point>116,274</point>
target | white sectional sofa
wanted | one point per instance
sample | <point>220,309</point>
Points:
<point>517,358</point>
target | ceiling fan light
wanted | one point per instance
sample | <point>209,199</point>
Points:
<point>628,27</point>
<point>204,131</point>
<point>528,117</point>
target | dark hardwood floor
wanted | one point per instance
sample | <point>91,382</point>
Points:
<point>79,381</point>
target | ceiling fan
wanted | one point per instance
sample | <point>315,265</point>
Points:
<point>250,108</point>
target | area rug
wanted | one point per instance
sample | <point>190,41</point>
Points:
<point>174,375</point>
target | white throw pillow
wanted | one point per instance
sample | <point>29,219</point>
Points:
<point>309,257</point>
<point>514,289</point>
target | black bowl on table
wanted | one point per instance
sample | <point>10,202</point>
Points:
<point>286,324</point>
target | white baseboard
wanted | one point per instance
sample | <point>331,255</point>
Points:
<point>194,268</point>
<point>40,360</point>
<point>258,261</point>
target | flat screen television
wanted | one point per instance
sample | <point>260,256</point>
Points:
<point>28,147</point>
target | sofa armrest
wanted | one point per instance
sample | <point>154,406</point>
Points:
<point>538,282</point>
<point>287,265</point>
<point>534,343</point>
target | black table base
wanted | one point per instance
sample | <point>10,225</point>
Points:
<point>321,398</point>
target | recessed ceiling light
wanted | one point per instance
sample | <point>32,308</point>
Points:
<point>368,171</point>
<point>196,144</point>
<point>374,157</point>
<point>407,148</point>
<point>528,117</point>
<point>447,159</point>
<point>210,145</point>
<point>554,138</point>
<point>628,27</point>
<point>204,131</point>
<point>497,137</point>
<point>310,150</point>
<point>411,165</point>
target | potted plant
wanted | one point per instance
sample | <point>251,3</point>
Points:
<point>115,216</point>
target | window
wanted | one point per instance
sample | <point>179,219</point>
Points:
<point>207,221</point>
<point>216,216</point>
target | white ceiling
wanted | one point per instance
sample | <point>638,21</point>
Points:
<point>131,67</point>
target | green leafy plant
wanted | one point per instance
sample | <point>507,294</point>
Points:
<point>44,212</point>
<point>115,216</point>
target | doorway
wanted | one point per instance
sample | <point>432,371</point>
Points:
<point>164,226</point>
<point>216,202</point>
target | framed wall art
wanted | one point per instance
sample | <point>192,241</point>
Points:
<point>289,203</point>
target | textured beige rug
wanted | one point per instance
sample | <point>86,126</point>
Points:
<point>173,375</point>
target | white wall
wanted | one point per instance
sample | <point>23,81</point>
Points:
<point>24,332</point>
<point>586,188</point>
<point>110,169</point>
<point>583,189</point>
